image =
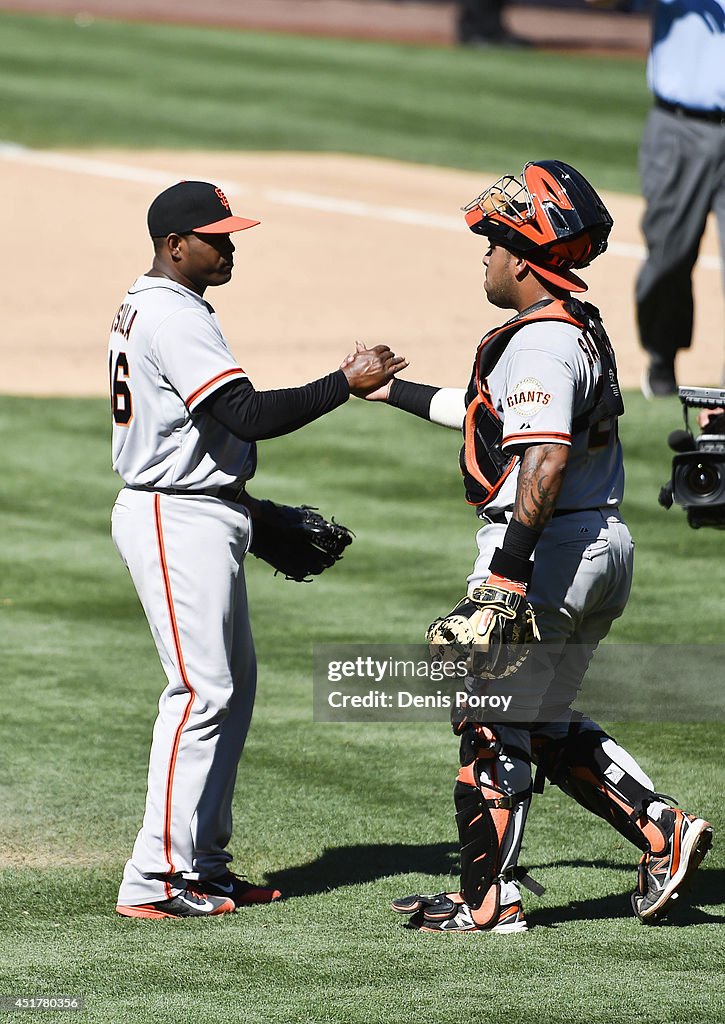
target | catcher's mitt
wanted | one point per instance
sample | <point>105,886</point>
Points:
<point>490,631</point>
<point>297,541</point>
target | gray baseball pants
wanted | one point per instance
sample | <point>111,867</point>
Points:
<point>682,168</point>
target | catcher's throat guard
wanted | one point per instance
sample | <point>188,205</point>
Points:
<point>490,632</point>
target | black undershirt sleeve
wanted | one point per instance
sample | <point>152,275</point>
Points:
<point>415,398</point>
<point>257,415</point>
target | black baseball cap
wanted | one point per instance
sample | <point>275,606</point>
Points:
<point>195,206</point>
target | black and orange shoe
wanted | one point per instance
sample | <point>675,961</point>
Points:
<point>190,902</point>
<point>448,912</point>
<point>242,892</point>
<point>662,877</point>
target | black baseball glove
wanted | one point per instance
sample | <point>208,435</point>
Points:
<point>296,541</point>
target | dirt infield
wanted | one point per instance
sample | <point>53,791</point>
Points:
<point>349,248</point>
<point>399,20</point>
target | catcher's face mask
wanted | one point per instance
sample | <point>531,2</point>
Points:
<point>551,216</point>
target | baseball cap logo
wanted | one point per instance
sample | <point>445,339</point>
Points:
<point>193,206</point>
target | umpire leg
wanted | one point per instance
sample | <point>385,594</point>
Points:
<point>678,158</point>
<point>480,20</point>
<point>719,207</point>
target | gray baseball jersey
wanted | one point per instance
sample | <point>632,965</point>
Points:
<point>167,354</point>
<point>545,378</point>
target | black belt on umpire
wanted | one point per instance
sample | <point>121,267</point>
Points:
<point>236,493</point>
<point>500,517</point>
<point>711,116</point>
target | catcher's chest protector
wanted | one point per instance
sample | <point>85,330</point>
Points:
<point>485,466</point>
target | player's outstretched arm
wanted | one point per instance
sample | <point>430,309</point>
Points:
<point>445,406</point>
<point>253,415</point>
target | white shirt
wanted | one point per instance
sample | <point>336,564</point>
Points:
<point>686,62</point>
<point>166,355</point>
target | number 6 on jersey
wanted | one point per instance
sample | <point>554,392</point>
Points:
<point>121,404</point>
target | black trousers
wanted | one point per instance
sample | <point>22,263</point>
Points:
<point>682,167</point>
<point>479,19</point>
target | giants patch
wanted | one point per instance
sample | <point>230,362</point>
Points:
<point>528,397</point>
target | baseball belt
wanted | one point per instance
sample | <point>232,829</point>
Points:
<point>236,493</point>
<point>502,517</point>
<point>712,116</point>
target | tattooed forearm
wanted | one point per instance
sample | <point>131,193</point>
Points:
<point>541,475</point>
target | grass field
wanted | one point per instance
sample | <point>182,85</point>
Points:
<point>342,817</point>
<point>170,86</point>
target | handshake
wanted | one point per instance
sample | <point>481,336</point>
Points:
<point>369,371</point>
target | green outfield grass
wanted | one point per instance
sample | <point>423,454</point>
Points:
<point>342,817</point>
<point>137,85</point>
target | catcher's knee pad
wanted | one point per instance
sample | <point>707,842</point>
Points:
<point>591,767</point>
<point>477,740</point>
<point>490,826</point>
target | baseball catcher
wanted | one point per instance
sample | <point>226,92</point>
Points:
<point>296,541</point>
<point>542,466</point>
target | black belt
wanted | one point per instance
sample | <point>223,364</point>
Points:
<point>712,116</point>
<point>500,517</point>
<point>236,493</point>
<point>573,511</point>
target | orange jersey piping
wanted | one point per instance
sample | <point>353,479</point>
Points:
<point>236,371</point>
<point>184,679</point>
<point>530,435</point>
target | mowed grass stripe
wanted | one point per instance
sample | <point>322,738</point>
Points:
<point>343,817</point>
<point>139,85</point>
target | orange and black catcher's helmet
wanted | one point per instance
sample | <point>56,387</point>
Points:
<point>550,216</point>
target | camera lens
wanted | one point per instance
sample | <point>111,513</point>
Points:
<point>703,479</point>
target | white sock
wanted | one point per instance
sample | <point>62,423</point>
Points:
<point>656,808</point>
<point>510,893</point>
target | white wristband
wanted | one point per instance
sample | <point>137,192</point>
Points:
<point>448,407</point>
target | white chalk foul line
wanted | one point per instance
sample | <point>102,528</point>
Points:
<point>370,211</point>
<point>11,151</point>
<point>404,215</point>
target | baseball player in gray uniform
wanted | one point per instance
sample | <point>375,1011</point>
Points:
<point>186,419</point>
<point>542,464</point>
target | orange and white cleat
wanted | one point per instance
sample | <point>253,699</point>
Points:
<point>243,893</point>
<point>662,877</point>
<point>190,902</point>
<point>449,912</point>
